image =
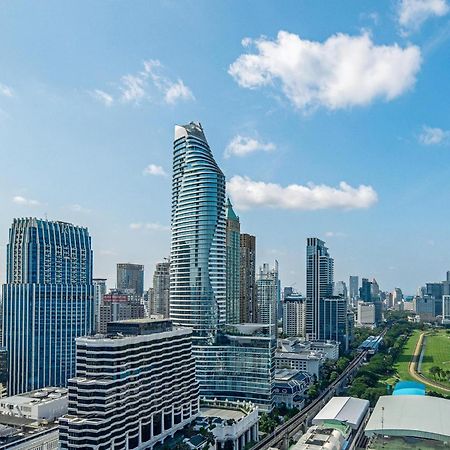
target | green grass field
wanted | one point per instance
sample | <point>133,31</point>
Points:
<point>402,364</point>
<point>437,353</point>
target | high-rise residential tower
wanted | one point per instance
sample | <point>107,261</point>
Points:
<point>47,301</point>
<point>233,266</point>
<point>353,287</point>
<point>248,290</point>
<point>131,276</point>
<point>268,292</point>
<point>319,285</point>
<point>198,248</point>
<point>161,290</point>
<point>99,292</point>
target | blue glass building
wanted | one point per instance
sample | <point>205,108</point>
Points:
<point>198,248</point>
<point>47,301</point>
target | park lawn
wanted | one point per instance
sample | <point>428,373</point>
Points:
<point>402,364</point>
<point>437,353</point>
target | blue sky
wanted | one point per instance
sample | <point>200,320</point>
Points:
<point>349,91</point>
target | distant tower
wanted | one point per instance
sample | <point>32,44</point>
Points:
<point>131,276</point>
<point>233,266</point>
<point>161,289</point>
<point>319,284</point>
<point>47,301</point>
<point>267,294</point>
<point>353,287</point>
<point>198,249</point>
<point>248,290</point>
<point>99,292</point>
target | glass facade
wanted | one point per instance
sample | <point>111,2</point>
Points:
<point>47,301</point>
<point>233,266</point>
<point>198,254</point>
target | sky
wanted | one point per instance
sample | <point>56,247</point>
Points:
<point>328,118</point>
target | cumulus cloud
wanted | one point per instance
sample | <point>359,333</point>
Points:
<point>343,71</point>
<point>413,13</point>
<point>153,169</point>
<point>247,194</point>
<point>6,91</point>
<point>102,97</point>
<point>433,136</point>
<point>153,226</point>
<point>19,200</point>
<point>78,208</point>
<point>244,145</point>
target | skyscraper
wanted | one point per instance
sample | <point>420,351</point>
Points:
<point>233,266</point>
<point>161,290</point>
<point>319,285</point>
<point>248,305</point>
<point>198,248</point>
<point>47,301</point>
<point>268,286</point>
<point>294,314</point>
<point>99,292</point>
<point>353,287</point>
<point>131,276</point>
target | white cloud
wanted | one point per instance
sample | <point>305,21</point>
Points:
<point>178,91</point>
<point>153,169</point>
<point>412,13</point>
<point>247,193</point>
<point>153,226</point>
<point>335,234</point>
<point>103,97</point>
<point>243,145</point>
<point>78,208</point>
<point>6,91</point>
<point>341,72</point>
<point>433,136</point>
<point>19,200</point>
<point>133,88</point>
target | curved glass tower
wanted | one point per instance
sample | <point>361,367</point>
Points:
<point>198,249</point>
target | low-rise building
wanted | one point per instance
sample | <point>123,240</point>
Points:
<point>29,421</point>
<point>310,362</point>
<point>333,436</point>
<point>290,386</point>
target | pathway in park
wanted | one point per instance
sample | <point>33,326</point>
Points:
<point>413,367</point>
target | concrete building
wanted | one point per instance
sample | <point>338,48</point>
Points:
<point>233,424</point>
<point>340,289</point>
<point>294,315</point>
<point>143,377</point>
<point>425,308</point>
<point>310,362</point>
<point>366,314</point>
<point>99,292</point>
<point>3,372</point>
<point>333,436</point>
<point>353,288</point>
<point>119,305</point>
<point>131,276</point>
<point>233,248</point>
<point>248,290</point>
<point>47,301</point>
<point>268,295</point>
<point>290,387</point>
<point>159,301</point>
<point>446,310</point>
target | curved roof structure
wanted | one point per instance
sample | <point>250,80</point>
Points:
<point>411,415</point>
<point>409,388</point>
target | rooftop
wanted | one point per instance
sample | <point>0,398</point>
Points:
<point>411,415</point>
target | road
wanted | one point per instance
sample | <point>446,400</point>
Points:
<point>412,368</point>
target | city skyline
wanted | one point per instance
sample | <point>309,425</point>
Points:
<point>63,101</point>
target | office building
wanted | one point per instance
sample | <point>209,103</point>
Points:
<point>143,376</point>
<point>159,302</point>
<point>425,308</point>
<point>319,285</point>
<point>333,325</point>
<point>446,310</point>
<point>198,248</point>
<point>119,305</point>
<point>233,266</point>
<point>3,372</point>
<point>353,287</point>
<point>248,290</point>
<point>268,293</point>
<point>239,366</point>
<point>365,291</point>
<point>340,289</point>
<point>131,276</point>
<point>47,301</point>
<point>294,314</point>
<point>99,292</point>
<point>366,314</point>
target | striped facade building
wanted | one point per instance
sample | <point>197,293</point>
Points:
<point>47,301</point>
<point>134,387</point>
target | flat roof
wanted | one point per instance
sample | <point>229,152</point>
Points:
<point>411,415</point>
<point>343,409</point>
<point>222,413</point>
